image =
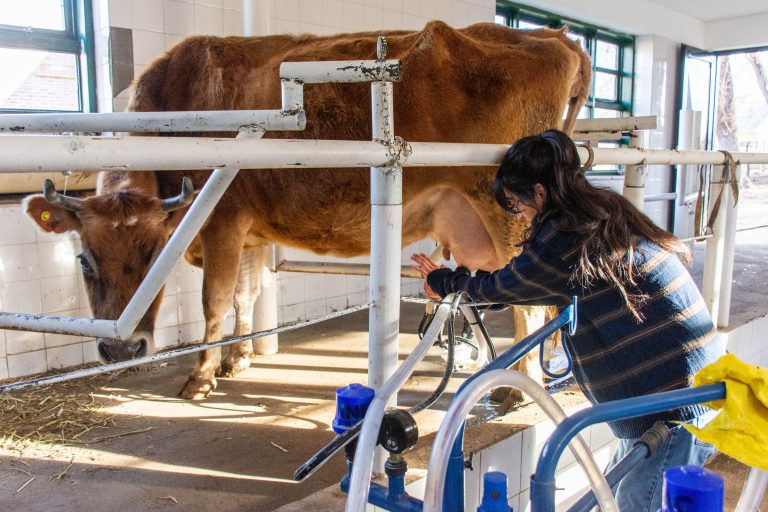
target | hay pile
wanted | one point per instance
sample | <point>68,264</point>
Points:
<point>59,413</point>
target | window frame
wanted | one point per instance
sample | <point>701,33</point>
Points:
<point>624,72</point>
<point>77,38</point>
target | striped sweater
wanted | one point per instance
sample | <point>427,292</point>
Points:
<point>614,355</point>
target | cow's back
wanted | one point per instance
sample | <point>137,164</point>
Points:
<point>481,84</point>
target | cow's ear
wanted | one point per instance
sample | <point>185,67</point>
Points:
<point>51,219</point>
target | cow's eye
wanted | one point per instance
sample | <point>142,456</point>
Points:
<point>84,265</point>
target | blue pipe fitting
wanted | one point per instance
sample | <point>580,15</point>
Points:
<point>692,488</point>
<point>494,493</point>
<point>351,404</point>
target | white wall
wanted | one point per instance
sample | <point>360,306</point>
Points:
<point>38,272</point>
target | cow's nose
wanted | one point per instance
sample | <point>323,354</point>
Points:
<point>116,350</point>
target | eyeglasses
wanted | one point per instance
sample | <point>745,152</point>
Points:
<point>513,207</point>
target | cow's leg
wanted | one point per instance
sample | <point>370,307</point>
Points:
<point>248,288</point>
<point>222,246</point>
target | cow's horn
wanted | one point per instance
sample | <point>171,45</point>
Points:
<point>181,200</point>
<point>72,204</point>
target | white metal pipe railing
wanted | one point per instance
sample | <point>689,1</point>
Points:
<point>731,211</point>
<point>457,413</point>
<point>341,71</point>
<point>618,124</point>
<point>181,121</point>
<point>360,480</point>
<point>337,267</point>
<point>82,153</point>
<point>193,220</point>
<point>634,177</point>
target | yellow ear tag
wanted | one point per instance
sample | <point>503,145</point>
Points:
<point>45,215</point>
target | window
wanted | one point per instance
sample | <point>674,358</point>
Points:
<point>46,56</point>
<point>612,57</point>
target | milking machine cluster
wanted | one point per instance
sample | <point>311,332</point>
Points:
<point>444,487</point>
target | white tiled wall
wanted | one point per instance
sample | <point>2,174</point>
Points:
<point>39,273</point>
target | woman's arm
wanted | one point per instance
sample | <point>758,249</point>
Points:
<point>526,280</point>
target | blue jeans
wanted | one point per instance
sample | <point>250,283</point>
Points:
<point>640,490</point>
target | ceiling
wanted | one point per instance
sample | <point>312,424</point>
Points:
<point>714,10</point>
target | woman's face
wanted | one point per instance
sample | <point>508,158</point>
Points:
<point>527,209</point>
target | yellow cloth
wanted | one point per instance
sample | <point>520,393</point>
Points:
<point>740,430</point>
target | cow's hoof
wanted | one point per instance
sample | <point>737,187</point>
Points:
<point>507,398</point>
<point>231,367</point>
<point>197,388</point>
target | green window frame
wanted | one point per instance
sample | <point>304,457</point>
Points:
<point>612,55</point>
<point>75,38</point>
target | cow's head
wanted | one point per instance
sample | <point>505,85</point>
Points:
<point>121,233</point>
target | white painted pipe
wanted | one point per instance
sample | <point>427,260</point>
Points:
<point>81,153</point>
<point>731,213</point>
<point>634,177</point>
<point>59,325</point>
<point>714,253</point>
<point>621,124</point>
<point>190,225</point>
<point>256,17</point>
<point>386,237</point>
<point>457,413</point>
<point>265,309</point>
<point>360,479</point>
<point>336,267</point>
<point>182,121</point>
<point>341,71</point>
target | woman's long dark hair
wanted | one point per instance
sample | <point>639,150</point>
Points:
<point>606,225</point>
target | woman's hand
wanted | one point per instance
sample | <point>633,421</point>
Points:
<point>423,265</point>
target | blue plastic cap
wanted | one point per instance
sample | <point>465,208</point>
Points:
<point>494,493</point>
<point>351,403</point>
<point>692,489</point>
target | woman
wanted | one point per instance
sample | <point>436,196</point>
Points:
<point>643,326</point>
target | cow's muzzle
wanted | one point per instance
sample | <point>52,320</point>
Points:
<point>113,351</point>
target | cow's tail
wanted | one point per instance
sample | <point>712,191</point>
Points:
<point>579,90</point>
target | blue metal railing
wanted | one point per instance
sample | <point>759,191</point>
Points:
<point>543,481</point>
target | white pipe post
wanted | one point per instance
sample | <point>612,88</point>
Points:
<point>256,17</point>
<point>190,225</point>
<point>712,283</point>
<point>386,237</point>
<point>729,252</point>
<point>265,308</point>
<point>634,177</point>
<point>256,20</point>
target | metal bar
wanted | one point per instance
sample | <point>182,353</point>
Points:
<point>714,255</point>
<point>82,153</point>
<point>543,481</point>
<point>59,325</point>
<point>190,225</point>
<point>341,71</point>
<point>183,121</point>
<point>386,236</point>
<point>634,177</point>
<point>333,267</point>
<point>731,212</point>
<point>614,125</point>
<point>105,368</point>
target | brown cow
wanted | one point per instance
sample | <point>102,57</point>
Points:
<point>481,84</point>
